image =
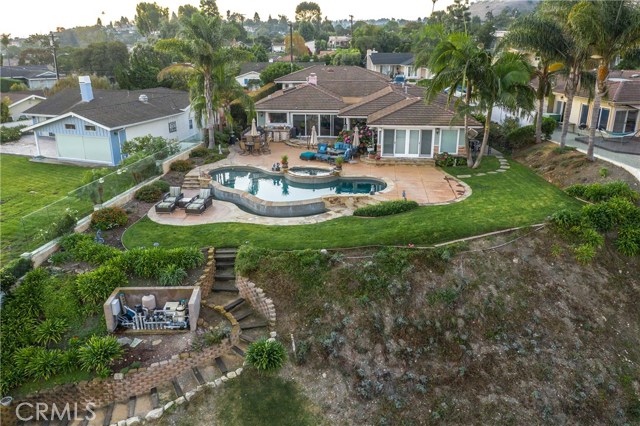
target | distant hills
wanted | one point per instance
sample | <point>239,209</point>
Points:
<point>481,7</point>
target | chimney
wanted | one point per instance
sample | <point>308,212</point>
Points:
<point>312,79</point>
<point>86,92</point>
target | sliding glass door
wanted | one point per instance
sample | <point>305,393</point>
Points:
<point>407,143</point>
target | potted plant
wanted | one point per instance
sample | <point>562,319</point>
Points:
<point>339,162</point>
<point>285,161</point>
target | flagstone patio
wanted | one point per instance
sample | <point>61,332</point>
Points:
<point>424,184</point>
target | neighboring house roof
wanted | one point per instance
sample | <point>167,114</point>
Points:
<point>333,73</point>
<point>623,87</point>
<point>415,112</point>
<point>113,108</point>
<point>258,67</point>
<point>392,58</point>
<point>305,97</point>
<point>22,95</point>
<point>29,72</point>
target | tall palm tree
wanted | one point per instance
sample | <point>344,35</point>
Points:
<point>505,83</point>
<point>607,29</point>
<point>200,40</point>
<point>543,36</point>
<point>457,63</point>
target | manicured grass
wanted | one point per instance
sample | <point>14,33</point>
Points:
<point>252,400</point>
<point>24,188</point>
<point>488,164</point>
<point>518,197</point>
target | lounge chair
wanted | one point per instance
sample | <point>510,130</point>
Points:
<point>322,152</point>
<point>346,156</point>
<point>170,199</point>
<point>200,203</point>
<point>618,136</point>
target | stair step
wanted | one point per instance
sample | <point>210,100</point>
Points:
<point>227,250</point>
<point>187,381</point>
<point>234,304</point>
<point>120,412</point>
<point>198,376</point>
<point>155,399</point>
<point>143,405</point>
<point>240,315</point>
<point>132,406</point>
<point>253,324</point>
<point>247,338</point>
<point>108,414</point>
<point>224,263</point>
<point>177,388</point>
<point>221,365</point>
<point>225,277</point>
<point>238,351</point>
<point>225,286</point>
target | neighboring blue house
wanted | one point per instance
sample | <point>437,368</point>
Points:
<point>92,127</point>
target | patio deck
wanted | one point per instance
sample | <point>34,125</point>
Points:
<point>424,184</point>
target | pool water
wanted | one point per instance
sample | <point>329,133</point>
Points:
<point>309,171</point>
<point>278,188</point>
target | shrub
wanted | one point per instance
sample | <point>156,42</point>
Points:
<point>604,172</point>
<point>585,253</point>
<point>50,331</point>
<point>95,174</point>
<point>199,152</point>
<point>109,218</point>
<point>63,225</point>
<point>565,219</point>
<point>13,271</point>
<point>182,165</point>
<point>10,134</point>
<point>266,356</point>
<point>147,145</point>
<point>548,126</point>
<point>44,363</point>
<point>60,258</point>
<point>94,287</point>
<point>607,215</point>
<point>148,263</point>
<point>99,353</point>
<point>71,241</point>
<point>386,208</point>
<point>603,191</point>
<point>172,275</point>
<point>91,252</point>
<point>449,160</point>
<point>522,137</point>
<point>161,185</point>
<point>149,194</point>
<point>628,242</point>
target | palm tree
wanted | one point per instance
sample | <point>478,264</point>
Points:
<point>607,29</point>
<point>543,36</point>
<point>457,62</point>
<point>201,38</point>
<point>505,83</point>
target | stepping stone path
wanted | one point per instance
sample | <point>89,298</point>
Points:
<point>504,166</point>
<point>181,388</point>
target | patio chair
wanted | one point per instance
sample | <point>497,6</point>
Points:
<point>243,147</point>
<point>617,136</point>
<point>170,199</point>
<point>322,153</point>
<point>200,203</point>
<point>264,147</point>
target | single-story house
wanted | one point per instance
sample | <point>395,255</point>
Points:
<point>91,126</point>
<point>250,72</point>
<point>405,125</point>
<point>34,76</point>
<point>278,47</point>
<point>618,111</point>
<point>22,100</point>
<point>396,64</point>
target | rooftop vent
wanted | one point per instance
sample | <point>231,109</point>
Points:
<point>312,79</point>
<point>143,98</point>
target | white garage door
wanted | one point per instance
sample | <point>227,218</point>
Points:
<point>84,148</point>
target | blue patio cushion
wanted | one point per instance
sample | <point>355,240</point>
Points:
<point>322,148</point>
<point>308,155</point>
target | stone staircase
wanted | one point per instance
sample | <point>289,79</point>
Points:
<point>191,181</point>
<point>179,389</point>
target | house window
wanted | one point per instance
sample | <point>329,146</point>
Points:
<point>70,126</point>
<point>603,118</point>
<point>90,128</point>
<point>190,123</point>
<point>625,121</point>
<point>172,127</point>
<point>277,117</point>
<point>584,113</point>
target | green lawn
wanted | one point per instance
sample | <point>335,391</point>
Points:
<point>518,197</point>
<point>24,188</point>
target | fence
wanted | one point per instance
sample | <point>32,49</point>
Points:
<point>53,220</point>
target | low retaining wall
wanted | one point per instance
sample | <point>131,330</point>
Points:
<point>256,297</point>
<point>205,281</point>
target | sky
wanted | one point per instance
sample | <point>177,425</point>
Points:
<point>42,16</point>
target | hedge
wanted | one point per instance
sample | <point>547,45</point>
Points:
<point>386,208</point>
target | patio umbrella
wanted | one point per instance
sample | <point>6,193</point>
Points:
<point>313,141</point>
<point>356,137</point>
<point>254,130</point>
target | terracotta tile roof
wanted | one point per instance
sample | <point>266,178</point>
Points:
<point>115,108</point>
<point>415,112</point>
<point>333,73</point>
<point>305,97</point>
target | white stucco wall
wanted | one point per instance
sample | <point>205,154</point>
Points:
<point>17,110</point>
<point>252,75</point>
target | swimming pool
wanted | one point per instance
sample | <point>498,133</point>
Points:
<point>309,171</point>
<point>277,194</point>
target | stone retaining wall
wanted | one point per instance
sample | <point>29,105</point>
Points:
<point>257,298</point>
<point>205,282</point>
